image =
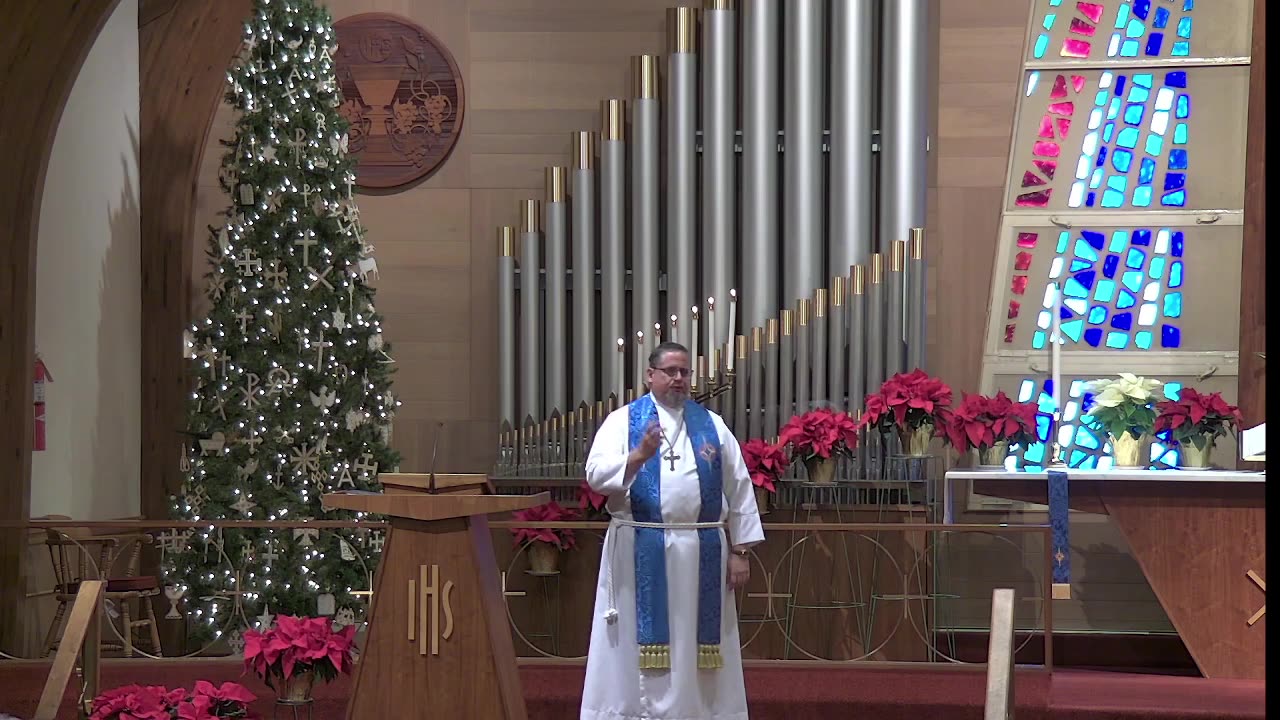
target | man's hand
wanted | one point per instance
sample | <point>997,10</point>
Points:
<point>738,571</point>
<point>649,444</point>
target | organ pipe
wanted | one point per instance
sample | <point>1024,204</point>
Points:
<point>531,348</point>
<point>556,224</point>
<point>917,299</point>
<point>589,351</point>
<point>719,31</point>
<point>682,170</point>
<point>895,298</point>
<point>613,214</point>
<point>852,60</point>
<point>644,202</point>
<point>802,184</point>
<point>904,127</point>
<point>760,112</point>
<point>507,327</point>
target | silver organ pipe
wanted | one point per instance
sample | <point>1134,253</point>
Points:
<point>831,286</point>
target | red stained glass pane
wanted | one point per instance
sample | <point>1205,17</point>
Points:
<point>1014,307</point>
<point>1064,127</point>
<point>1008,332</point>
<point>1045,149</point>
<point>1027,240</point>
<point>1062,108</point>
<point>1022,261</point>
<point>1080,27</point>
<point>1073,48</point>
<point>1030,179</point>
<point>1048,167</point>
<point>1093,11</point>
<point>1077,81</point>
<point>1059,88</point>
<point>1046,127</point>
<point>1035,199</point>
<point>1019,285</point>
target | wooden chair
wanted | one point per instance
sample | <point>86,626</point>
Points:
<point>68,553</point>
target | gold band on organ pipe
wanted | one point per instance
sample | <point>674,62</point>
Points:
<point>613,119</point>
<point>506,241</point>
<point>584,149</point>
<point>644,70</point>
<point>682,29</point>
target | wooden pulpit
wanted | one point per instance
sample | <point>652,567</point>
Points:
<point>439,644</point>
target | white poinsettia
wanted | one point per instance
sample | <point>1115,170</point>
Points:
<point>1124,403</point>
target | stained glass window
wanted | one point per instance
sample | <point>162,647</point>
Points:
<point>1131,29</point>
<point>1082,446</point>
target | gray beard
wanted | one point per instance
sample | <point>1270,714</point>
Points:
<point>678,400</point>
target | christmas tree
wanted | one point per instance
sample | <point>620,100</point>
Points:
<point>291,374</point>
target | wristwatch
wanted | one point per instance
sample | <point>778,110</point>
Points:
<point>741,553</point>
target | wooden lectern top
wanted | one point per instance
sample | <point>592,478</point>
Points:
<point>426,507</point>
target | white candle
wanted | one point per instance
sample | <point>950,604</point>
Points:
<point>622,370</point>
<point>711,332</point>
<point>733,312</point>
<point>640,353</point>
<point>657,334</point>
<point>1055,355</point>
<point>693,347</point>
<point>673,337</point>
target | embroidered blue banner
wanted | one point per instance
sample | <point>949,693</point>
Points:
<point>1060,530</point>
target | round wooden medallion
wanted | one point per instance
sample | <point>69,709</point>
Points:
<point>402,95</point>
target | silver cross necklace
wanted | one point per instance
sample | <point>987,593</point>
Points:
<point>671,457</point>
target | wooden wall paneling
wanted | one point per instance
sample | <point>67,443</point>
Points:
<point>1253,276</point>
<point>181,84</point>
<point>42,48</point>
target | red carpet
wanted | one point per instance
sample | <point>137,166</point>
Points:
<point>800,693</point>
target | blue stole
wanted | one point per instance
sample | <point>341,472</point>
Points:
<point>653,631</point>
<point>1060,529</point>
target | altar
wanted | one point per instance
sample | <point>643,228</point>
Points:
<point>1199,537</point>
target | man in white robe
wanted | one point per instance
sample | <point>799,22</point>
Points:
<point>664,635</point>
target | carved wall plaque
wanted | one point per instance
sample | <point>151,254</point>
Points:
<point>402,95</point>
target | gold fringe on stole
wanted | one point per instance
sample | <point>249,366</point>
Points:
<point>655,657</point>
<point>709,657</point>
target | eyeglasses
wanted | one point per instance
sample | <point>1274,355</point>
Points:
<point>674,372</point>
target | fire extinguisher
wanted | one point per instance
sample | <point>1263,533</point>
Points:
<point>42,377</point>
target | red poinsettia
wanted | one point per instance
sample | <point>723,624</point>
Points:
<point>981,422</point>
<point>819,433</point>
<point>765,462</point>
<point>590,501</point>
<point>1197,418</point>
<point>154,702</point>
<point>562,538</point>
<point>907,401</point>
<point>295,645</point>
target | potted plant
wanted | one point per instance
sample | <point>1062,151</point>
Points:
<point>1195,421</point>
<point>914,405</point>
<point>155,702</point>
<point>296,651</point>
<point>591,503</point>
<point>817,438</point>
<point>1124,408</point>
<point>989,425</point>
<point>765,462</point>
<point>545,544</point>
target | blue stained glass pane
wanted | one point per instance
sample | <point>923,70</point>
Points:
<point>1042,46</point>
<point>1117,340</point>
<point>1142,8</point>
<point>1141,236</point>
<point>1127,299</point>
<point>1157,268</point>
<point>1118,182</point>
<point>1084,251</point>
<point>1175,180</point>
<point>1143,80</point>
<point>1037,340</point>
<point>1170,336</point>
<point>1102,156</point>
<point>1101,98</point>
<point>1090,199</point>
<point>1142,196</point>
<point>1112,199</point>
<point>1139,94</point>
<point>1113,110</point>
<point>1147,171</point>
<point>1095,239</point>
<point>1182,48</point>
<point>1064,238</point>
<point>1074,306</point>
<point>1122,321</point>
<point>1188,5</point>
<point>1122,16</point>
<point>1128,138</point>
<point>1162,18</point>
<point>1119,240</point>
<point>1108,131</point>
<point>1085,438</point>
<point>1077,265</point>
<point>1178,159</point>
<point>1129,48</point>
<point>1173,390</point>
<point>1177,243</point>
<point>1098,315</point>
<point>1180,134</point>
<point>1175,275</point>
<point>1074,328</point>
<point>1184,28</point>
<point>1048,20</point>
<point>1120,160</point>
<point>1134,29</point>
<point>1086,279</point>
<point>1109,265</point>
<point>1154,42</point>
<point>1173,305</point>
<point>1120,81</point>
<point>1183,108</point>
<point>1176,78</point>
<point>1143,339</point>
<point>1075,289</point>
<point>1174,199</point>
<point>1132,279</point>
<point>1155,143</point>
<point>1105,291</point>
<point>1136,259</point>
<point>1093,336</point>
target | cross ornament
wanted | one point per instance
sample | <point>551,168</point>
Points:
<point>248,263</point>
<point>671,457</point>
<point>306,244</point>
